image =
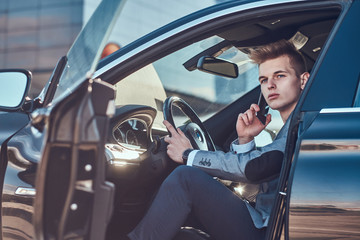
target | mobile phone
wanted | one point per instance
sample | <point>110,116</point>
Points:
<point>264,109</point>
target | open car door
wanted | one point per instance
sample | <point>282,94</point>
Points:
<point>73,200</point>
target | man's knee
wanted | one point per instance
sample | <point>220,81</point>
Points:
<point>183,170</point>
<point>188,176</point>
<point>179,174</point>
<point>187,172</point>
<point>182,175</point>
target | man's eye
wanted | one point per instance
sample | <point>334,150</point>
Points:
<point>263,81</point>
<point>280,76</point>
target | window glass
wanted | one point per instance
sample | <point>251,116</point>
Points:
<point>22,39</point>
<point>3,20</point>
<point>2,60</point>
<point>132,26</point>
<point>21,4</point>
<point>62,15</point>
<point>2,42</point>
<point>207,94</point>
<point>24,19</point>
<point>23,59</point>
<point>56,36</point>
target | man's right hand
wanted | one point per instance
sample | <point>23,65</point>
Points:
<point>177,143</point>
<point>248,125</point>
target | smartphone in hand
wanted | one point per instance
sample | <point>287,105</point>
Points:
<point>264,109</point>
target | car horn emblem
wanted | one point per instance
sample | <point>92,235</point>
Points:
<point>198,135</point>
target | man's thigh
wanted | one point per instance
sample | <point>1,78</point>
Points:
<point>221,212</point>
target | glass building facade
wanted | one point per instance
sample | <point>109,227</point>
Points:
<point>34,34</point>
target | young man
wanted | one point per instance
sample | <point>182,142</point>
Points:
<point>191,190</point>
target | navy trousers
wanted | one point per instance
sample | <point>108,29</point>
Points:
<point>190,191</point>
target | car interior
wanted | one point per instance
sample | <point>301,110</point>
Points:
<point>136,156</point>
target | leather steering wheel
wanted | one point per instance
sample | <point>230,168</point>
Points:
<point>195,130</point>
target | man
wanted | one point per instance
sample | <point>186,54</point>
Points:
<point>192,190</point>
<point>109,49</point>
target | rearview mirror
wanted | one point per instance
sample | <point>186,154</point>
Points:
<point>218,67</point>
<point>14,85</point>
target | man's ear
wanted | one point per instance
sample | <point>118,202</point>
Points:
<point>304,77</point>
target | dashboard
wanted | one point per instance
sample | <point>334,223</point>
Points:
<point>132,165</point>
<point>131,133</point>
<point>129,138</point>
<point>130,127</point>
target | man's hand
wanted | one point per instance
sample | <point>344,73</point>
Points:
<point>248,125</point>
<point>178,143</point>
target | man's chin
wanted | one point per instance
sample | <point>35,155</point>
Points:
<point>274,106</point>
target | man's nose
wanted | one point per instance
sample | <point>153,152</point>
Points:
<point>271,83</point>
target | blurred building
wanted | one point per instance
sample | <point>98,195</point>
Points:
<point>34,34</point>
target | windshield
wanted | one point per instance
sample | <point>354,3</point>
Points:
<point>85,52</point>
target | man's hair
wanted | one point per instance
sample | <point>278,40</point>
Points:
<point>277,49</point>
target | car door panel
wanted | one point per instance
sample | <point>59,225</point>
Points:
<point>23,153</point>
<point>324,195</point>
<point>80,204</point>
<point>332,84</point>
<point>10,124</point>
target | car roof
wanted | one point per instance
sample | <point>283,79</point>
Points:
<point>313,22</point>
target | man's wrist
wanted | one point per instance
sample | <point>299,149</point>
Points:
<point>244,140</point>
<point>185,155</point>
<point>242,148</point>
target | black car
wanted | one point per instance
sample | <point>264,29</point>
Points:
<point>84,159</point>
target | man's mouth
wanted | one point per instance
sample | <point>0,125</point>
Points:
<point>273,96</point>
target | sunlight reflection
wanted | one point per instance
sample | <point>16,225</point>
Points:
<point>239,189</point>
<point>119,156</point>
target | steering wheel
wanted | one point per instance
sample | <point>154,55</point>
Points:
<point>195,130</point>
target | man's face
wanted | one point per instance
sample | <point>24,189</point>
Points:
<point>280,85</point>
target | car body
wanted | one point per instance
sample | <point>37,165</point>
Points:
<point>84,159</point>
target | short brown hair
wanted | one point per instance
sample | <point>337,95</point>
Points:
<point>277,49</point>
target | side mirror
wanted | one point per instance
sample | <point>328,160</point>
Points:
<point>218,67</point>
<point>14,86</point>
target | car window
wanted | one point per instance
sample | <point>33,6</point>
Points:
<point>207,94</point>
<point>130,26</point>
<point>85,52</point>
